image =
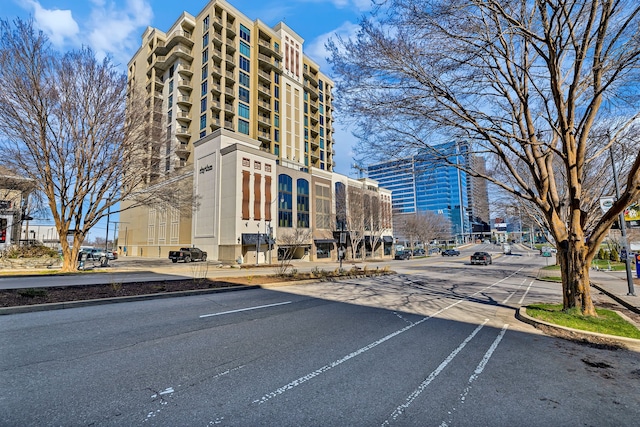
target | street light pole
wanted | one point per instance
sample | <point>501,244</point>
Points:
<point>623,227</point>
<point>106,238</point>
<point>258,245</point>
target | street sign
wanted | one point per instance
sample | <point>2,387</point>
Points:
<point>546,251</point>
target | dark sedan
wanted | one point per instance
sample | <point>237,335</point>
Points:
<point>403,255</point>
<point>451,252</point>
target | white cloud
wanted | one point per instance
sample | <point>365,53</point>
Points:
<point>116,31</point>
<point>57,24</point>
<point>316,48</point>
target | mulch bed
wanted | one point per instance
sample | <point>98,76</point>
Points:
<point>32,296</point>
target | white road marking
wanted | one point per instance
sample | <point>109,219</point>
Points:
<point>513,293</point>
<point>526,292</point>
<point>362,350</point>
<point>479,369</point>
<point>414,395</point>
<point>245,309</point>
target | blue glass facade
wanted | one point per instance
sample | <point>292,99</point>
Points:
<point>425,182</point>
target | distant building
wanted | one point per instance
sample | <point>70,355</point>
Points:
<point>14,200</point>
<point>428,182</point>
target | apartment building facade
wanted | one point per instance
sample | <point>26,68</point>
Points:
<point>240,90</point>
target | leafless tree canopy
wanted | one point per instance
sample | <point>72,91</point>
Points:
<point>65,125</point>
<point>541,88</point>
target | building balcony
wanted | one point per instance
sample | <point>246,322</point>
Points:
<point>184,69</point>
<point>216,70</point>
<point>216,38</point>
<point>264,104</point>
<point>268,60</point>
<point>230,76</point>
<point>229,125</point>
<point>216,89</point>
<point>231,31</point>
<point>184,100</point>
<point>182,149</point>
<point>264,76</point>
<point>266,47</point>
<point>182,131</point>
<point>215,106</point>
<point>180,36</point>
<point>183,116</point>
<point>229,108</point>
<point>264,120</point>
<point>229,93</point>
<point>230,59</point>
<point>231,45</point>
<point>265,90</point>
<point>313,80</point>
<point>264,136</point>
<point>215,123</point>
<point>184,84</point>
<point>217,22</point>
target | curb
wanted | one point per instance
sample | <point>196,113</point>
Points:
<point>617,299</point>
<point>93,302</point>
<point>578,335</point>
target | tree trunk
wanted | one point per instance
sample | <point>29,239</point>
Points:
<point>574,266</point>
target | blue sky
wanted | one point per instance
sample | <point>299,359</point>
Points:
<point>114,27</point>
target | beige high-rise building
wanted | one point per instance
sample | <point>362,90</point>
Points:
<point>228,84</point>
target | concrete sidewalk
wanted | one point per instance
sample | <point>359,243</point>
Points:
<point>615,285</point>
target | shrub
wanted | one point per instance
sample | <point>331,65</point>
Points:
<point>30,251</point>
<point>602,254</point>
<point>613,255</point>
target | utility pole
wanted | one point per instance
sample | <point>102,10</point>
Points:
<point>623,226</point>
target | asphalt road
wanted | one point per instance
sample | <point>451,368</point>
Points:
<point>436,345</point>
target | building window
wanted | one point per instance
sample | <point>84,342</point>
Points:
<point>203,105</point>
<point>276,106</point>
<point>243,110</point>
<point>170,86</point>
<point>243,79</point>
<point>244,64</point>
<point>245,49</point>
<point>205,72</point>
<point>276,137</point>
<point>276,92</point>
<point>203,88</point>
<point>205,55</point>
<point>243,126</point>
<point>323,207</point>
<point>302,204</point>
<point>243,94</point>
<point>170,101</point>
<point>276,121</point>
<point>267,195</point>
<point>203,121</point>
<point>205,23</point>
<point>205,40</point>
<point>257,193</point>
<point>203,134</point>
<point>285,187</point>
<point>246,179</point>
<point>245,33</point>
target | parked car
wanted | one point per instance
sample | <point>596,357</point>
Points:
<point>188,255</point>
<point>450,252</point>
<point>403,255</point>
<point>418,252</point>
<point>481,258</point>
<point>96,254</point>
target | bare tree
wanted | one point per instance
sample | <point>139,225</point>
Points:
<point>73,126</point>
<point>289,242</point>
<point>524,83</point>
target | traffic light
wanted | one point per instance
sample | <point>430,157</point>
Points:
<point>3,230</point>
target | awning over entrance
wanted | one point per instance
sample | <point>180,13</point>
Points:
<point>317,241</point>
<point>387,239</point>
<point>252,239</point>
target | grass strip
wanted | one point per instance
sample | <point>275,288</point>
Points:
<point>607,322</point>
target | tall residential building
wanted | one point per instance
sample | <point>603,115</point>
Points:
<point>222,70</point>
<point>238,111</point>
<point>428,182</point>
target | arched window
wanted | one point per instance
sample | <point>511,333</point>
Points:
<point>285,201</point>
<point>341,206</point>
<point>302,203</point>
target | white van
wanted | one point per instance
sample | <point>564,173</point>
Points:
<point>506,249</point>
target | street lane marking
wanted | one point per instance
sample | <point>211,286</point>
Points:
<point>432,376</point>
<point>526,292</point>
<point>478,370</point>
<point>245,309</point>
<point>514,292</point>
<point>374,344</point>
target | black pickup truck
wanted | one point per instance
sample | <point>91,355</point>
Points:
<point>188,255</point>
<point>481,258</point>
